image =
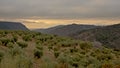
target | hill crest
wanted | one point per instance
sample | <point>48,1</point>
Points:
<point>12,26</point>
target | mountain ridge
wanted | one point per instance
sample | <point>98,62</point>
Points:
<point>66,30</point>
<point>109,35</point>
<point>4,25</point>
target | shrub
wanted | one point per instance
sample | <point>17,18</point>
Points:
<point>15,38</point>
<point>62,59</point>
<point>16,50</point>
<point>19,61</point>
<point>0,43</point>
<point>75,64</point>
<point>71,50</point>
<point>38,42</point>
<point>55,49</point>
<point>10,45</point>
<point>50,47</point>
<point>66,44</point>
<point>56,54</point>
<point>5,41</point>
<point>83,52</point>
<point>1,55</point>
<point>27,38</point>
<point>85,45</point>
<point>38,53</point>
<point>24,62</point>
<point>39,46</point>
<point>104,57</point>
<point>22,44</point>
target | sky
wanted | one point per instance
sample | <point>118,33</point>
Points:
<point>46,13</point>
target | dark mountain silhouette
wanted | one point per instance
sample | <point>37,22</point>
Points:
<point>48,30</point>
<point>66,30</point>
<point>109,36</point>
<point>12,26</point>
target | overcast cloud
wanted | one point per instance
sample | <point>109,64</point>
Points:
<point>60,9</point>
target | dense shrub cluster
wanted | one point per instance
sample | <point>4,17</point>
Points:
<point>27,38</point>
<point>61,52</point>
<point>56,54</point>
<point>5,41</point>
<point>85,45</point>
<point>38,52</point>
<point>22,44</point>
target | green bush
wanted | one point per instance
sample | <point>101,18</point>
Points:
<point>50,47</point>
<point>56,54</point>
<point>38,53</point>
<point>10,45</point>
<point>5,41</point>
<point>16,50</point>
<point>55,49</point>
<point>22,44</point>
<point>62,59</point>
<point>15,38</point>
<point>1,55</point>
<point>85,45</point>
<point>39,46</point>
<point>0,43</point>
<point>75,64</point>
<point>27,38</point>
<point>65,44</point>
<point>73,50</point>
<point>19,61</point>
<point>102,57</point>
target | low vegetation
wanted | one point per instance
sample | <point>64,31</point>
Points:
<point>25,49</point>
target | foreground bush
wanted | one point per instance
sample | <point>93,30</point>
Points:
<point>39,46</point>
<point>20,61</point>
<point>16,50</point>
<point>15,58</point>
<point>10,45</point>
<point>56,54</point>
<point>1,55</point>
<point>15,38</point>
<point>5,41</point>
<point>38,53</point>
<point>22,44</point>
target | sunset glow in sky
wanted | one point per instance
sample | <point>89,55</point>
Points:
<point>46,13</point>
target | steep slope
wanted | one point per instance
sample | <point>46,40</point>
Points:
<point>12,26</point>
<point>107,35</point>
<point>66,30</point>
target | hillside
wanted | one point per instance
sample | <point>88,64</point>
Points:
<point>23,49</point>
<point>12,26</point>
<point>48,30</point>
<point>108,35</point>
<point>66,30</point>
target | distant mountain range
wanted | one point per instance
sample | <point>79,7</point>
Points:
<point>12,26</point>
<point>66,30</point>
<point>109,36</point>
